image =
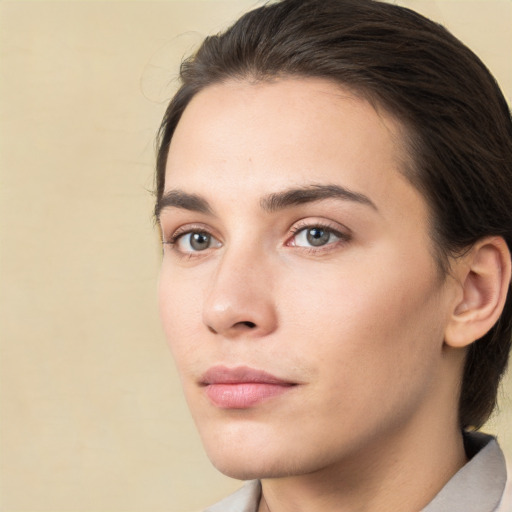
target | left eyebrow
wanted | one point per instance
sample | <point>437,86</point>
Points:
<point>311,193</point>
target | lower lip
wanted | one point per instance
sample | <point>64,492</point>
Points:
<point>243,395</point>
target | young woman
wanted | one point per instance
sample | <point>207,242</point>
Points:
<point>334,191</point>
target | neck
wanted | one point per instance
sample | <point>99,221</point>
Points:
<point>402,472</point>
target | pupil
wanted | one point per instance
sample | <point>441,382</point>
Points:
<point>317,236</point>
<point>200,241</point>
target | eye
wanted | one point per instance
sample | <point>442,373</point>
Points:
<point>316,236</point>
<point>194,241</point>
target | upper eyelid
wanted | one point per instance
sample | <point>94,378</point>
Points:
<point>334,226</point>
<point>174,234</point>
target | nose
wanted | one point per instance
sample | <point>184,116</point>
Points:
<point>239,301</point>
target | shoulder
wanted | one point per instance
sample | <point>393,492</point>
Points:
<point>506,501</point>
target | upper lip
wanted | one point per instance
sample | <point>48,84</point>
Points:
<point>238,375</point>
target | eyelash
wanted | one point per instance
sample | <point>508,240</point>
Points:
<point>301,226</point>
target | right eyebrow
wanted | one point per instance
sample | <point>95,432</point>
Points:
<point>180,199</point>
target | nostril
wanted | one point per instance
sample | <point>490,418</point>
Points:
<point>247,324</point>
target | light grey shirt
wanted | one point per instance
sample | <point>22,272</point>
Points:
<point>479,486</point>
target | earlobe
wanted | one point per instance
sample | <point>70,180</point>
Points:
<point>484,275</point>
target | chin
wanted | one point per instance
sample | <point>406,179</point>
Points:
<point>264,459</point>
<point>242,460</point>
<point>247,468</point>
<point>239,470</point>
<point>246,450</point>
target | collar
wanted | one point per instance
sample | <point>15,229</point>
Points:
<point>246,499</point>
<point>479,485</point>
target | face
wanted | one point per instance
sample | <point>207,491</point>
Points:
<point>298,291</point>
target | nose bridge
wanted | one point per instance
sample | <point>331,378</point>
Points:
<point>240,297</point>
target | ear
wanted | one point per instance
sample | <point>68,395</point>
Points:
<point>484,277</point>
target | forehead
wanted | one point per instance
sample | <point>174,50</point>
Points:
<point>253,138</point>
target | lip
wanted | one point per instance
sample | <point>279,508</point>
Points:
<point>241,387</point>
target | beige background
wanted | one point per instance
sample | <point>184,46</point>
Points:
<point>92,418</point>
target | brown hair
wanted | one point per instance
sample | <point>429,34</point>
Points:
<point>458,125</point>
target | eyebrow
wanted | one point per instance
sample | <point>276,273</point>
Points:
<point>183,200</point>
<point>310,194</point>
<point>272,203</point>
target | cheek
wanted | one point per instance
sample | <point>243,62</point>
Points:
<point>180,313</point>
<point>371,348</point>
<point>371,324</point>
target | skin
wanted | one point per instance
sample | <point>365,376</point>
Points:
<point>357,324</point>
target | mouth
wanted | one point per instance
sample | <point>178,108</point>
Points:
<point>241,387</point>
